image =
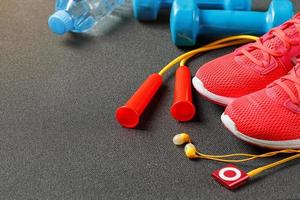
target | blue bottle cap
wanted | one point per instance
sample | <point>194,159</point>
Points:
<point>60,22</point>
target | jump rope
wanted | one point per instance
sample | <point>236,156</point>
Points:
<point>183,109</point>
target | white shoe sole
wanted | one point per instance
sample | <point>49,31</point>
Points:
<point>286,144</point>
<point>199,86</point>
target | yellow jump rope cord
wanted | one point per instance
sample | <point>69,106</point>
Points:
<point>226,42</point>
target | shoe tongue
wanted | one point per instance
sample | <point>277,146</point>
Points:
<point>273,42</point>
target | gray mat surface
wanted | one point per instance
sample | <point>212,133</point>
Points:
<point>58,136</point>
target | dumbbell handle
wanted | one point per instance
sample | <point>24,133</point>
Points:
<point>146,10</point>
<point>232,22</point>
<point>209,4</point>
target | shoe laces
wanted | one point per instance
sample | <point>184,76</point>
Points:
<point>295,80</point>
<point>269,52</point>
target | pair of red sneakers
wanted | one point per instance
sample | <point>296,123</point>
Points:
<point>260,83</point>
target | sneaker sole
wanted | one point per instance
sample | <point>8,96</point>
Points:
<point>286,144</point>
<point>220,100</point>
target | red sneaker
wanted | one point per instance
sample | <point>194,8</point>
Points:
<point>251,67</point>
<point>269,117</point>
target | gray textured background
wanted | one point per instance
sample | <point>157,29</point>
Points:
<point>58,136</point>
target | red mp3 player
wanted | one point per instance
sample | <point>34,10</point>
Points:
<point>230,176</point>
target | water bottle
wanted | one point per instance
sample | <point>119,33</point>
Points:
<point>80,15</point>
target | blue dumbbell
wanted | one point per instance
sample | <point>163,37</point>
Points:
<point>147,10</point>
<point>187,21</point>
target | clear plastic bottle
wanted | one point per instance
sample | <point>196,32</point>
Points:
<point>79,15</point>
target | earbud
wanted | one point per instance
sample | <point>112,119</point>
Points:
<point>181,139</point>
<point>190,151</point>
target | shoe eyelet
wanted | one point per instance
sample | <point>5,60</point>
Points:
<point>292,106</point>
